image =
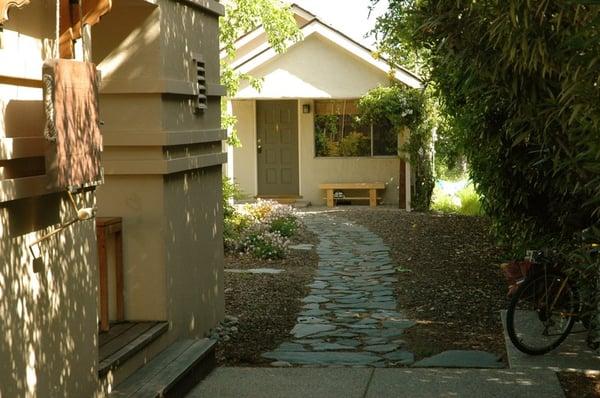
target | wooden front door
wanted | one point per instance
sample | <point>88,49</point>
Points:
<point>277,147</point>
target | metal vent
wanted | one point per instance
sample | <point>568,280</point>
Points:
<point>201,101</point>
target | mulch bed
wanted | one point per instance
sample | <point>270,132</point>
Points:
<point>580,385</point>
<point>450,282</point>
<point>266,305</point>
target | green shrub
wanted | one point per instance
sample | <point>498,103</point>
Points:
<point>286,226</point>
<point>354,144</point>
<point>233,229</point>
<point>466,201</point>
<point>231,190</point>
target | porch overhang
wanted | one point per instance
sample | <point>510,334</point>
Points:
<point>73,16</point>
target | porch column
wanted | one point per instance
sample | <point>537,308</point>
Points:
<point>404,185</point>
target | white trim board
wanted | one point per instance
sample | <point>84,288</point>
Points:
<point>264,53</point>
<point>254,34</point>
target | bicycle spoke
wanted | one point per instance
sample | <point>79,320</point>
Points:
<point>541,314</point>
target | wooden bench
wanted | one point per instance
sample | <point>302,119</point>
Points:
<point>372,187</point>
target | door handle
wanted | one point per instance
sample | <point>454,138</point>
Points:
<point>259,148</point>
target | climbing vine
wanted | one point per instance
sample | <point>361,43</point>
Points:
<point>405,108</point>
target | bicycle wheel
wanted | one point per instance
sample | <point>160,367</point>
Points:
<point>541,314</point>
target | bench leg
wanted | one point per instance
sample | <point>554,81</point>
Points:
<point>330,198</point>
<point>373,197</point>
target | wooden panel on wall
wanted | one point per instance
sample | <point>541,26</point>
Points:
<point>75,143</point>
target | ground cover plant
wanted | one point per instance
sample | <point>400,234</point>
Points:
<point>265,305</point>
<point>261,229</point>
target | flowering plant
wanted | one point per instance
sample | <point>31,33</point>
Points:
<point>261,229</point>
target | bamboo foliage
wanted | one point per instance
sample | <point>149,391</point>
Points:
<point>519,83</point>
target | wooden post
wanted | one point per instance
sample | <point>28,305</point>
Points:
<point>119,274</point>
<point>402,185</point>
<point>103,274</point>
<point>110,226</point>
<point>329,197</point>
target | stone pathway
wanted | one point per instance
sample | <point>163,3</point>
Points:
<point>350,316</point>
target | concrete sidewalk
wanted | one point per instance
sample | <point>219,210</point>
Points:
<point>376,383</point>
<point>573,354</point>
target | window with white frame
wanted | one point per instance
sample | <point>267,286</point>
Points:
<point>340,133</point>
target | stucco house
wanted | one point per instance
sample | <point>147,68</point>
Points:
<point>298,130</point>
<point>92,303</point>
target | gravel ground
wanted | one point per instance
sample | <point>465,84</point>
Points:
<point>580,385</point>
<point>266,305</point>
<point>450,282</point>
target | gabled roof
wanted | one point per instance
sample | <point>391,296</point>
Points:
<point>259,30</point>
<point>264,52</point>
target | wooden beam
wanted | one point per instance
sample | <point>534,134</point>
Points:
<point>74,16</point>
<point>20,81</point>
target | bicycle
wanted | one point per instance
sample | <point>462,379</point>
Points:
<point>544,308</point>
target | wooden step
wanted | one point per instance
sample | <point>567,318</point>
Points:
<point>124,340</point>
<point>172,373</point>
<point>301,204</point>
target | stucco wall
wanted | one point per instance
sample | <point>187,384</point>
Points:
<point>313,170</point>
<point>127,44</point>
<point>194,249</point>
<point>244,158</point>
<point>173,253</point>
<point>48,320</point>
<point>295,74</point>
<point>139,201</point>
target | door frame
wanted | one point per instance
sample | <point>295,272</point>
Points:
<point>255,140</point>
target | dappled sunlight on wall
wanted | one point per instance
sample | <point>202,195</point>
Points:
<point>127,41</point>
<point>48,324</point>
<point>194,250</point>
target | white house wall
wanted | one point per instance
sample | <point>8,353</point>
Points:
<point>313,170</point>
<point>244,161</point>
<point>316,170</point>
<point>315,68</point>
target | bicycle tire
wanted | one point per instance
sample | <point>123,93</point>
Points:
<point>533,295</point>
